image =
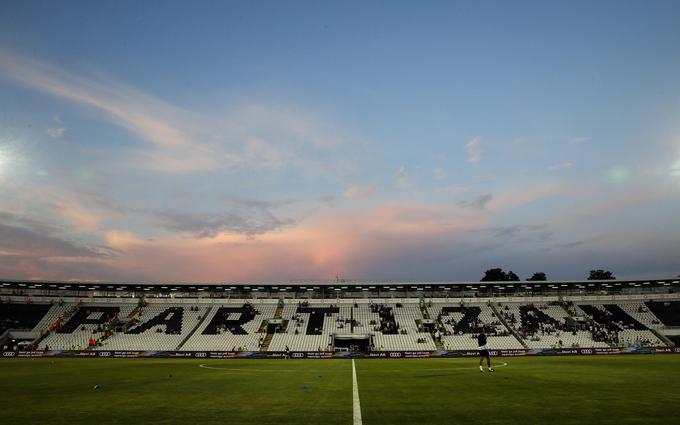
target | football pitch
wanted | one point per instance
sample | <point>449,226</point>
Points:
<point>616,389</point>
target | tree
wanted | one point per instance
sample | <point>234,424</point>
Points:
<point>494,275</point>
<point>601,275</point>
<point>538,276</point>
<point>498,275</point>
<point>512,276</point>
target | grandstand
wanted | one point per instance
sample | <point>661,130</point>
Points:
<point>79,317</point>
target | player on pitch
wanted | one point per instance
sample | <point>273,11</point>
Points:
<point>483,351</point>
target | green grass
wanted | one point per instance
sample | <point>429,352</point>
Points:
<point>538,390</point>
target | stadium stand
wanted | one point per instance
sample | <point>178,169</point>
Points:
<point>391,327</point>
<point>276,324</point>
<point>306,328</point>
<point>74,326</point>
<point>462,323</point>
<point>613,325</point>
<point>160,327</point>
<point>549,326</point>
<point>231,328</point>
<point>399,331</point>
<point>312,327</point>
<point>640,312</point>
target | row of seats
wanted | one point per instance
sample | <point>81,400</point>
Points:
<point>167,326</point>
<point>303,332</point>
<point>463,323</point>
<point>78,328</point>
<point>232,332</point>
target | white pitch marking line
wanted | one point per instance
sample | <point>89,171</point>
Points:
<point>442,369</point>
<point>355,397</point>
<point>228,369</point>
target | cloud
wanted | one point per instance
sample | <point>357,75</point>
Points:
<point>562,166</point>
<point>23,237</point>
<point>132,109</point>
<point>574,244</point>
<point>618,175</point>
<point>403,182</point>
<point>526,233</point>
<point>479,203</point>
<point>349,243</point>
<point>599,207</point>
<point>179,141</point>
<point>475,150</point>
<point>58,130</point>
<point>355,191</point>
<point>439,173</point>
<point>388,241</point>
<point>675,169</point>
<point>59,204</point>
<point>245,217</point>
<point>419,241</point>
<point>526,195</point>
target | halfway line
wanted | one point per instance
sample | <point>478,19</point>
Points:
<point>355,397</point>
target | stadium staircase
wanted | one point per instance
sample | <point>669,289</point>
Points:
<point>438,325</point>
<point>4,338</point>
<point>267,341</point>
<point>426,315</point>
<point>507,325</point>
<point>669,342</point>
<point>438,344</point>
<point>278,314</point>
<point>270,336</point>
<point>36,342</point>
<point>198,325</point>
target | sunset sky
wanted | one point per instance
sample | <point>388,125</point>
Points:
<point>274,141</point>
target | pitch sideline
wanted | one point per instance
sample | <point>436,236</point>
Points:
<point>232,369</point>
<point>356,404</point>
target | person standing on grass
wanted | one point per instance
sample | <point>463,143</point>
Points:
<point>483,351</point>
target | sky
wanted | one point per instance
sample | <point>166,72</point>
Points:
<point>249,141</point>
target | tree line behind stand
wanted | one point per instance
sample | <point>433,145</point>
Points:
<point>498,275</point>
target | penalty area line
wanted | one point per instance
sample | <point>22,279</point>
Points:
<point>356,405</point>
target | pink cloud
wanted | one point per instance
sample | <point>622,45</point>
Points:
<point>562,166</point>
<point>318,248</point>
<point>475,150</point>
<point>356,191</point>
<point>352,243</point>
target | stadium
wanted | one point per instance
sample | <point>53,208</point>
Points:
<point>339,212</point>
<point>344,352</point>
